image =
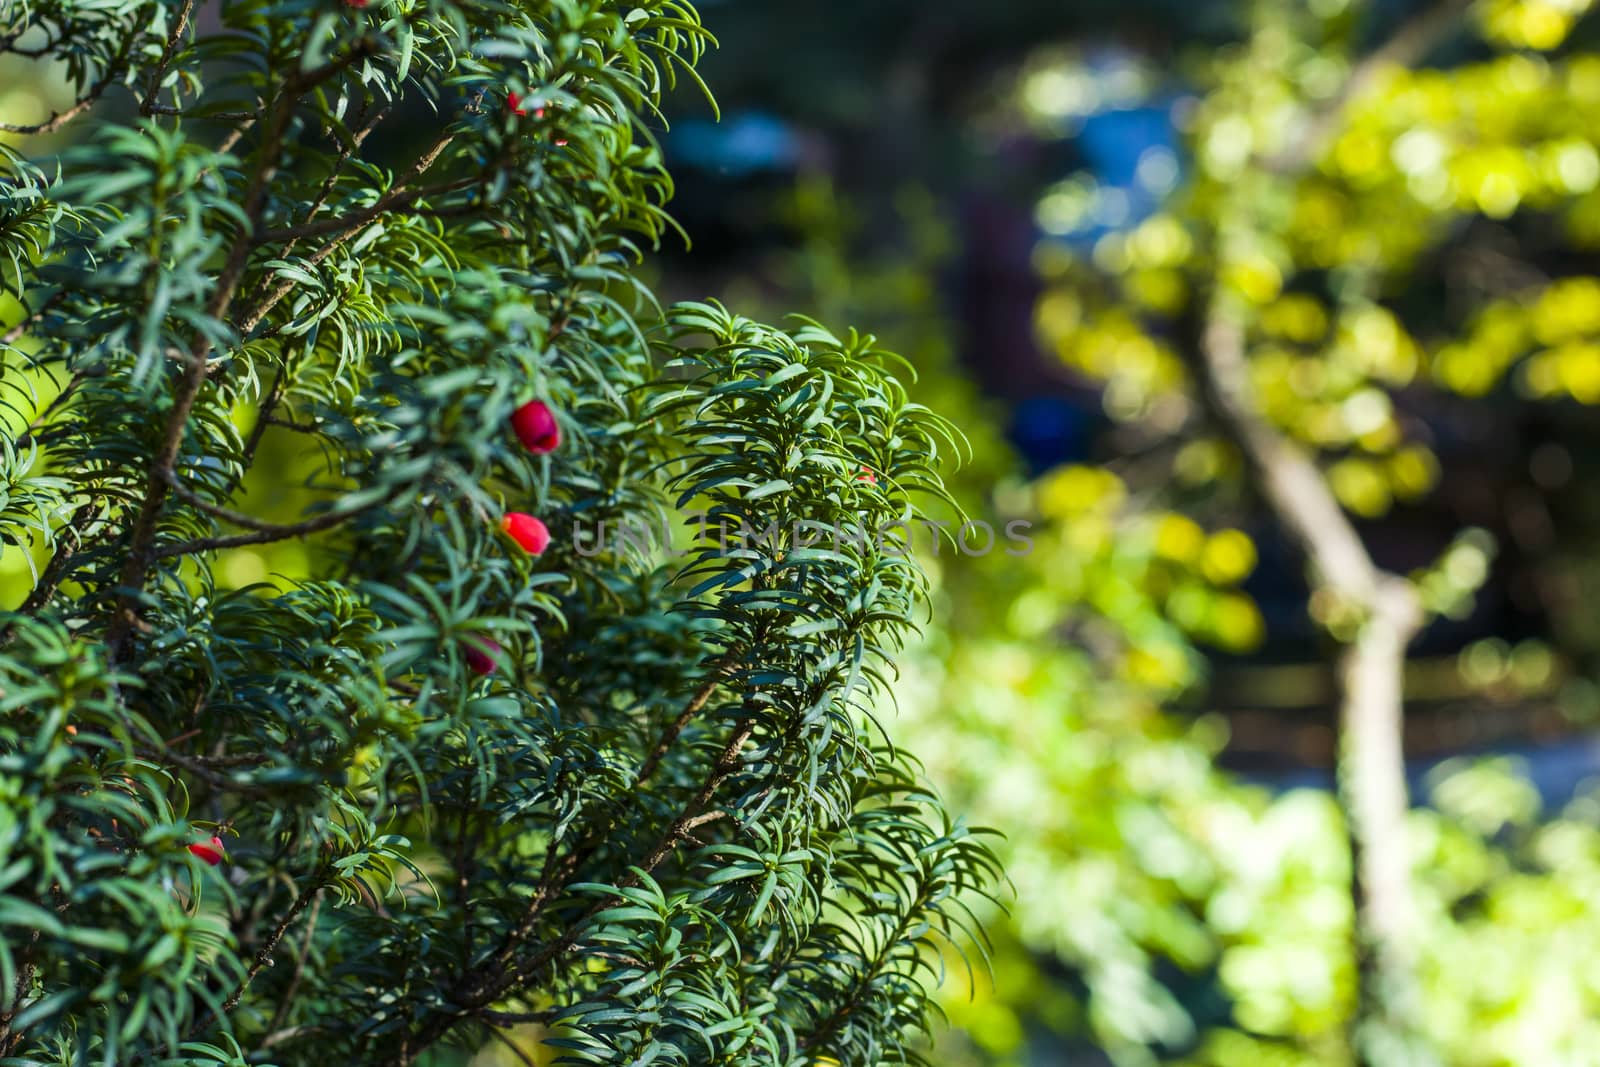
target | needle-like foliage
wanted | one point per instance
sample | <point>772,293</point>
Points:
<point>446,786</point>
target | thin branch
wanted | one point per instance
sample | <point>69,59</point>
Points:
<point>236,134</point>
<point>397,199</point>
<point>141,553</point>
<point>264,417</point>
<point>70,540</point>
<point>237,518</point>
<point>558,868</point>
<point>263,532</point>
<point>424,162</point>
<point>518,1018</point>
<point>512,1045</point>
<point>346,151</point>
<point>1409,45</point>
<point>287,1000</point>
<point>694,815</point>
<point>197,767</point>
<point>21,328</point>
<point>669,735</point>
<point>274,296</point>
<point>211,116</point>
<point>490,981</point>
<point>873,968</point>
<point>59,119</point>
<point>296,427</point>
<point>264,956</point>
<point>31,433</point>
<point>160,71</point>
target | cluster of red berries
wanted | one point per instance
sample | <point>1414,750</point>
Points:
<point>536,427</point>
<point>517,104</point>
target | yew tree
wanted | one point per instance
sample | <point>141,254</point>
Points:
<point>476,771</point>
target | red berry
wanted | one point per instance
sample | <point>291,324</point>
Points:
<point>866,475</point>
<point>527,531</point>
<point>535,426</point>
<point>209,852</point>
<point>480,653</point>
<point>356,3</point>
<point>514,104</point>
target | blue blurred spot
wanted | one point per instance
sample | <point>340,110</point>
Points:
<point>740,145</point>
<point>1116,146</point>
<point>1048,431</point>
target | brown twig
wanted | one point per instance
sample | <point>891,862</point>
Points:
<point>262,532</point>
<point>197,766</point>
<point>263,956</point>
<point>346,151</point>
<point>59,119</point>
<point>424,162</point>
<point>148,105</point>
<point>397,199</point>
<point>669,735</point>
<point>21,328</point>
<point>210,116</point>
<point>141,553</point>
<point>490,981</point>
<point>56,570</point>
<point>287,1000</point>
<point>31,432</point>
<point>693,816</point>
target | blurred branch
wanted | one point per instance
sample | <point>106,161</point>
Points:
<point>1372,782</point>
<point>59,119</point>
<point>1409,45</point>
<point>1289,478</point>
<point>22,327</point>
<point>516,1049</point>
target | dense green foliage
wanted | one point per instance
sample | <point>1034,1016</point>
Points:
<point>628,808</point>
<point>1429,272</point>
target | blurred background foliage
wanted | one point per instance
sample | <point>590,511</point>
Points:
<point>1018,196</point>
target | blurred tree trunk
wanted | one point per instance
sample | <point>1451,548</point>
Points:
<point>1384,614</point>
<point>1372,792</point>
<point>1373,614</point>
